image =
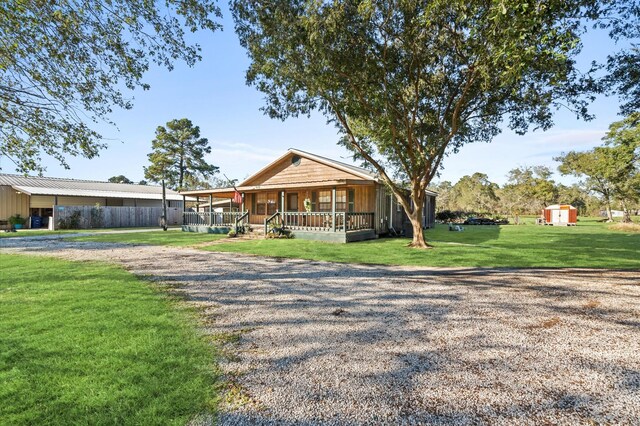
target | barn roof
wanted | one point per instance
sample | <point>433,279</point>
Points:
<point>36,185</point>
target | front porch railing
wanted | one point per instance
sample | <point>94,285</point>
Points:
<point>327,221</point>
<point>295,221</point>
<point>229,219</point>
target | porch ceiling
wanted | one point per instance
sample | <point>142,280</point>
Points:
<point>228,192</point>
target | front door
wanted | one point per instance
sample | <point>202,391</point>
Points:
<point>292,202</point>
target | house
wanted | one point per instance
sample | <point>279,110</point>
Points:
<point>560,215</point>
<point>40,198</point>
<point>314,197</point>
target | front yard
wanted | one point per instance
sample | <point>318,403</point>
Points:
<point>88,343</point>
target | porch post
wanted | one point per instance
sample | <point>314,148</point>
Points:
<point>283,208</point>
<point>333,209</point>
<point>242,203</point>
<point>210,208</point>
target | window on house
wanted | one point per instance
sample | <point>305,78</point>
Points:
<point>314,201</point>
<point>266,203</point>
<point>324,201</point>
<point>261,203</point>
<point>352,200</point>
<point>272,202</point>
<point>341,200</point>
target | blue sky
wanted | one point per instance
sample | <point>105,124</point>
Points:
<point>213,94</point>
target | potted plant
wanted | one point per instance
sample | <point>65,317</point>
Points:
<point>17,222</point>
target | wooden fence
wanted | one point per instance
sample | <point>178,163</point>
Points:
<point>87,217</point>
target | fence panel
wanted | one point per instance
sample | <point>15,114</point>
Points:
<point>88,217</point>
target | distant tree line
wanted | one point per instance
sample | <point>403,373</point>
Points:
<point>527,191</point>
<point>609,178</point>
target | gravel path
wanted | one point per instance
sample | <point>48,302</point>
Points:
<point>319,343</point>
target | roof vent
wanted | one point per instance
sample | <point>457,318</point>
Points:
<point>295,160</point>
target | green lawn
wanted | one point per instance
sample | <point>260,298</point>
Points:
<point>590,244</point>
<point>88,343</point>
<point>168,238</point>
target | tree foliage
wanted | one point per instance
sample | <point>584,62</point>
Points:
<point>178,156</point>
<point>67,63</point>
<point>475,193</point>
<point>622,19</point>
<point>409,82</point>
<point>120,179</point>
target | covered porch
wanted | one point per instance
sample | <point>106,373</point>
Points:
<point>338,211</point>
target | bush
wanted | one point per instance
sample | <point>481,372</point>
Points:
<point>71,222</point>
<point>232,234</point>
<point>17,220</point>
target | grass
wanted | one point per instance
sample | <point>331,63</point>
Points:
<point>154,238</point>
<point>591,244</point>
<point>625,227</point>
<point>90,343</point>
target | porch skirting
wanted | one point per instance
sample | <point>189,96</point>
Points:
<point>336,237</point>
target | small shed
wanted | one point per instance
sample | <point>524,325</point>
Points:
<point>561,215</point>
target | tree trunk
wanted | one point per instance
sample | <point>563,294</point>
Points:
<point>609,214</point>
<point>626,217</point>
<point>607,201</point>
<point>415,216</point>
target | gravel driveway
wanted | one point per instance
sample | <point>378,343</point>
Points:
<point>320,343</point>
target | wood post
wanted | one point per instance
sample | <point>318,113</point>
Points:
<point>333,209</point>
<point>210,209</point>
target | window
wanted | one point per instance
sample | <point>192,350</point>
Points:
<point>266,203</point>
<point>314,201</point>
<point>272,205</point>
<point>352,200</point>
<point>261,203</point>
<point>341,200</point>
<point>324,201</point>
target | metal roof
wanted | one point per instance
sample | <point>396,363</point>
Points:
<point>36,185</point>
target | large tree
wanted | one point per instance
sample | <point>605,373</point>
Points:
<point>410,82</point>
<point>592,167</point>
<point>66,64</point>
<point>178,156</point>
<point>529,189</point>
<point>475,193</point>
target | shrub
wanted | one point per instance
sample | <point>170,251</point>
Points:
<point>17,220</point>
<point>72,221</point>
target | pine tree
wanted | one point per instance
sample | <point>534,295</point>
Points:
<point>178,156</point>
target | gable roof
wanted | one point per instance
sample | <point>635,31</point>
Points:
<point>36,185</point>
<point>354,170</point>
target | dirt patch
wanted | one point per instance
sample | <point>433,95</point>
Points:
<point>322,343</point>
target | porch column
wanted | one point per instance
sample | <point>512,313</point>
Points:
<point>333,209</point>
<point>242,203</point>
<point>282,206</point>
<point>210,208</point>
<point>184,204</point>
